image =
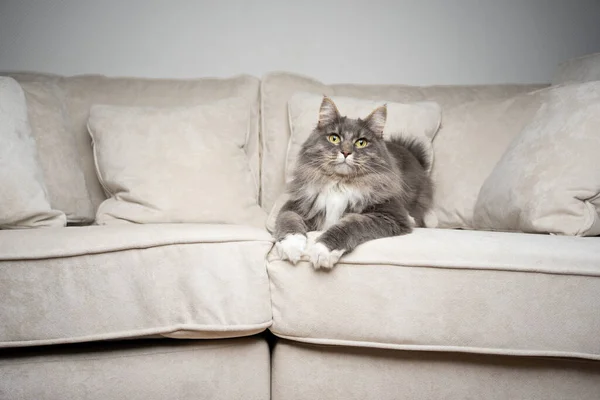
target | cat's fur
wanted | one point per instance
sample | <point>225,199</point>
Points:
<point>353,194</point>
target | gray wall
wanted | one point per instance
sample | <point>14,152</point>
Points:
<point>367,41</point>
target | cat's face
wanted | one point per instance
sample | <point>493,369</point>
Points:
<point>344,146</point>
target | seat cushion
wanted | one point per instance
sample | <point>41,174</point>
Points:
<point>109,282</point>
<point>446,290</point>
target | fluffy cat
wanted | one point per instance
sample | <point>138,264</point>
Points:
<point>354,186</point>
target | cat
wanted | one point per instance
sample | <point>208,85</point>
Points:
<point>355,186</point>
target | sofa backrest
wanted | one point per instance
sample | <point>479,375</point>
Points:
<point>277,88</point>
<point>580,69</point>
<point>59,109</point>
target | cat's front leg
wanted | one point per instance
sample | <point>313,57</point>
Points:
<point>355,229</point>
<point>290,233</point>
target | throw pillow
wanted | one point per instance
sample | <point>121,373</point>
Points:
<point>471,140</point>
<point>23,198</point>
<point>548,180</point>
<point>168,165</point>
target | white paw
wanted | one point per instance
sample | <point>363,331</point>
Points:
<point>291,247</point>
<point>322,257</point>
<point>430,220</point>
<point>412,221</point>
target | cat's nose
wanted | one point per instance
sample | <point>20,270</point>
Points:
<point>346,153</point>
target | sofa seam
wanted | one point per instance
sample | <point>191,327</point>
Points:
<point>124,249</point>
<point>139,334</point>
<point>440,348</point>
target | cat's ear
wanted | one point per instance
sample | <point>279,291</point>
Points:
<point>328,113</point>
<point>376,120</point>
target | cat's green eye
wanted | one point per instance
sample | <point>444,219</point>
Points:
<point>360,143</point>
<point>333,138</point>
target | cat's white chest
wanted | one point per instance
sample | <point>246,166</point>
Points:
<point>334,200</point>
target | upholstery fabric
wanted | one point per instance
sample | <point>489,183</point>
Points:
<point>306,372</point>
<point>58,152</point>
<point>184,164</point>
<point>448,290</point>
<point>81,92</point>
<point>548,180</point>
<point>139,370</point>
<point>278,87</point>
<point>24,200</point>
<point>415,120</point>
<point>470,142</point>
<point>271,222</point>
<point>59,110</point>
<point>80,284</point>
<point>580,69</point>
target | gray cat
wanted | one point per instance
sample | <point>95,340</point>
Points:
<point>354,186</point>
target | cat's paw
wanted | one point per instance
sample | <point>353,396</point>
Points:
<point>412,221</point>
<point>322,257</point>
<point>291,247</point>
<point>430,220</point>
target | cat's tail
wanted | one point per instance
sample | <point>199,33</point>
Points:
<point>416,148</point>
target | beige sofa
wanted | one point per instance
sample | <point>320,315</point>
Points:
<point>437,314</point>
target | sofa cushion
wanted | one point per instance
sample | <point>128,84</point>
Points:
<point>81,92</point>
<point>58,152</point>
<point>548,179</point>
<point>80,284</point>
<point>60,112</point>
<point>580,69</point>
<point>278,87</point>
<point>470,142</point>
<point>180,164</point>
<point>24,200</point>
<point>448,290</point>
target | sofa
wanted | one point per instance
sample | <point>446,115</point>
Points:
<point>209,311</point>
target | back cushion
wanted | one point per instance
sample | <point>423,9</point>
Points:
<point>65,145</point>
<point>175,165</point>
<point>278,88</point>
<point>24,199</point>
<point>60,158</point>
<point>81,92</point>
<point>471,140</point>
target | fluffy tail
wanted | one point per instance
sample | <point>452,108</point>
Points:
<point>416,148</point>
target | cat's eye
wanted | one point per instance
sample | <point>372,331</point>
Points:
<point>360,143</point>
<point>333,138</point>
